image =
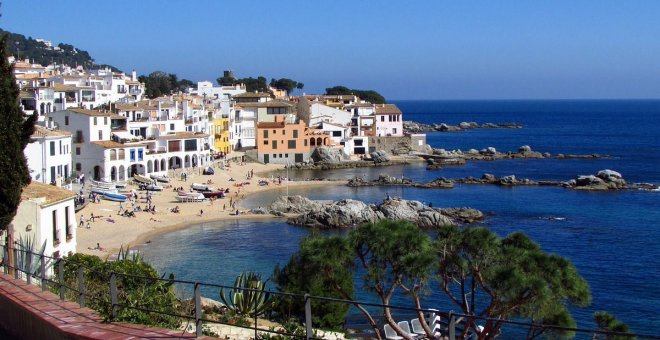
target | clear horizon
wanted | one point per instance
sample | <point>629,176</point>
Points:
<point>426,50</point>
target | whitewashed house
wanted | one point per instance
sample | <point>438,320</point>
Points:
<point>49,156</point>
<point>46,214</point>
<point>389,120</point>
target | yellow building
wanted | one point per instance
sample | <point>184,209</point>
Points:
<point>221,134</point>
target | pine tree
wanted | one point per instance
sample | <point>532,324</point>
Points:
<point>15,132</point>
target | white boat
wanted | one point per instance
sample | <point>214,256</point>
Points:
<point>114,197</point>
<point>160,178</point>
<point>102,190</point>
<point>201,187</point>
<point>142,179</point>
<point>120,185</point>
<point>154,187</point>
<point>190,197</point>
<point>102,184</point>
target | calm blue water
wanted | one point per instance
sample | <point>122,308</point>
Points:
<point>613,238</point>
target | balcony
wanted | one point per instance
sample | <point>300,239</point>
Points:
<point>78,139</point>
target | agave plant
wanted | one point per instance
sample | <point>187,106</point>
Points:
<point>29,257</point>
<point>249,295</point>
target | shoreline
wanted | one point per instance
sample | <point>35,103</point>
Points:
<point>113,231</point>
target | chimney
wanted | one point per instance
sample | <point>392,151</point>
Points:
<point>134,76</point>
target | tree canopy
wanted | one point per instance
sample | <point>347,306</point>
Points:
<point>368,95</point>
<point>286,84</point>
<point>484,275</point>
<point>15,132</point>
<point>159,83</point>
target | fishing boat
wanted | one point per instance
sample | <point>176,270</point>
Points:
<point>160,178</point>
<point>102,190</point>
<point>154,187</point>
<point>120,185</point>
<point>114,197</point>
<point>201,187</point>
<point>216,194</point>
<point>189,197</point>
<point>142,179</point>
<point>102,184</point>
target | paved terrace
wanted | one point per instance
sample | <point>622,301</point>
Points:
<point>28,313</point>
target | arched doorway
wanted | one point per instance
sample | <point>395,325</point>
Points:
<point>113,174</point>
<point>186,161</point>
<point>122,173</point>
<point>98,172</point>
<point>319,141</point>
<point>150,166</point>
<point>312,141</point>
<point>156,166</point>
<point>162,165</point>
<point>137,169</point>
<point>175,162</point>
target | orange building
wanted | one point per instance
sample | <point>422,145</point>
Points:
<point>279,142</point>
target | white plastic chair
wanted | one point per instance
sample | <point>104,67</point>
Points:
<point>417,327</point>
<point>390,334</point>
<point>405,327</point>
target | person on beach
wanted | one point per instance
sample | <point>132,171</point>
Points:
<point>224,206</point>
<point>82,222</point>
<point>201,212</point>
<point>88,227</point>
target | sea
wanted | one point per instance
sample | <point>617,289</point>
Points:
<point>613,238</point>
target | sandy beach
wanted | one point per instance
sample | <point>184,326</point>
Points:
<point>112,231</point>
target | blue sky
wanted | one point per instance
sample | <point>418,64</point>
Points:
<point>403,49</point>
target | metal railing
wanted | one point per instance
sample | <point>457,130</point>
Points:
<point>452,325</point>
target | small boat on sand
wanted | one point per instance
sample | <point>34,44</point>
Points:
<point>154,187</point>
<point>142,179</point>
<point>114,197</point>
<point>160,178</point>
<point>216,194</point>
<point>102,190</point>
<point>189,197</point>
<point>201,187</point>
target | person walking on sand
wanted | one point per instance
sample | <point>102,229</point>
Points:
<point>82,221</point>
<point>201,212</point>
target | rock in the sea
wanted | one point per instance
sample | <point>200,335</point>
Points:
<point>259,211</point>
<point>380,156</point>
<point>588,181</point>
<point>327,154</point>
<point>488,177</point>
<point>525,148</point>
<point>348,212</point>
<point>508,180</point>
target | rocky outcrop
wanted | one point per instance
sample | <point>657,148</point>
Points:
<point>379,157</point>
<point>327,155</point>
<point>603,180</point>
<point>348,212</point>
<point>346,164</point>
<point>382,180</point>
<point>414,127</point>
<point>441,157</point>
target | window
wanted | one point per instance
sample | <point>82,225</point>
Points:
<point>171,126</point>
<point>274,145</point>
<point>280,155</point>
<point>305,142</point>
<point>336,133</point>
<point>274,155</point>
<point>105,120</point>
<point>291,144</point>
<point>295,133</point>
<point>265,142</point>
<point>132,153</point>
<point>67,227</point>
<point>56,239</point>
<point>274,131</point>
<point>77,150</point>
<point>394,130</point>
<point>140,152</point>
<point>265,133</point>
<point>79,137</point>
<point>283,132</point>
<point>94,120</point>
<point>60,147</point>
<point>78,167</point>
<point>52,148</point>
<point>382,118</point>
<point>276,110</point>
<point>66,120</point>
<point>286,155</point>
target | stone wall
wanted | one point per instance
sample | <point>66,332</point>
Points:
<point>399,145</point>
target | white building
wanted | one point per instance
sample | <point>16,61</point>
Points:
<point>46,214</point>
<point>319,113</point>
<point>49,156</point>
<point>389,120</point>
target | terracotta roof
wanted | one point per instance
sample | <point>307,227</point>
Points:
<point>142,105</point>
<point>252,95</point>
<point>272,103</point>
<point>62,87</point>
<point>95,113</point>
<point>109,144</point>
<point>51,193</point>
<point>183,135</point>
<point>40,131</point>
<point>270,125</point>
<point>387,109</point>
<point>359,105</point>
